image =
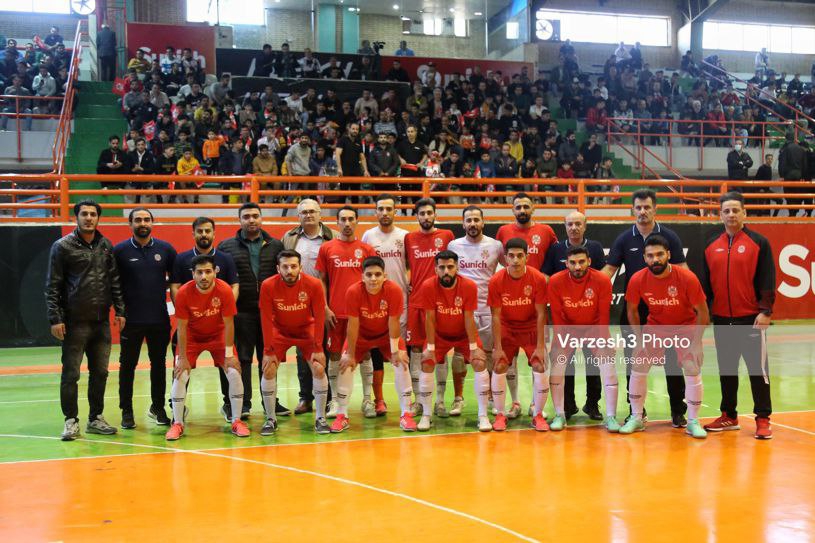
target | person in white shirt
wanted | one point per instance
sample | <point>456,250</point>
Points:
<point>622,53</point>
<point>295,102</point>
<point>388,241</point>
<point>478,259</point>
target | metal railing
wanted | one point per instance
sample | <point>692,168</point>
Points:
<point>51,195</point>
<point>63,134</point>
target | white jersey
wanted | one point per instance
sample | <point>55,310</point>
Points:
<point>478,261</point>
<point>391,247</point>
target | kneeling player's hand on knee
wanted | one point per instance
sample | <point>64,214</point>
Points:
<point>181,365</point>
<point>318,358</point>
<point>232,362</point>
<point>498,355</point>
<point>479,355</point>
<point>400,358</point>
<point>269,365</point>
<point>539,355</point>
<point>428,356</point>
<point>346,363</point>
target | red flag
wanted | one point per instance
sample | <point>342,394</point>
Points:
<point>41,44</point>
<point>119,87</point>
<point>174,112</point>
<point>149,130</point>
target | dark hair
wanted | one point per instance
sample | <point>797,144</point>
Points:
<point>114,137</point>
<point>732,195</point>
<point>288,253</point>
<point>202,220</point>
<point>135,209</point>
<point>446,255</point>
<point>347,208</point>
<point>263,147</point>
<point>578,250</point>
<point>517,243</point>
<point>658,240</point>
<point>78,206</point>
<point>248,205</point>
<point>386,196</point>
<point>472,208</point>
<point>422,203</point>
<point>373,261</point>
<point>644,194</point>
<point>199,260</point>
<point>520,196</point>
<point>141,140</point>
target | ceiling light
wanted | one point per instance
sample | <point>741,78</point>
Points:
<point>405,18</point>
<point>452,10</point>
<point>396,6</point>
<point>478,14</point>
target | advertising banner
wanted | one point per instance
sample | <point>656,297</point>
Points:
<point>154,39</point>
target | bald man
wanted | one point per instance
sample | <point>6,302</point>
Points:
<point>556,261</point>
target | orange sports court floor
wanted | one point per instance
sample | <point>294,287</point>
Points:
<point>374,483</point>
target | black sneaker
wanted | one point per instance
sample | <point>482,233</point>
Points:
<point>281,410</point>
<point>245,412</point>
<point>226,411</point>
<point>128,422</point>
<point>679,421</point>
<point>269,427</point>
<point>593,412</point>
<point>158,415</point>
<point>321,426</point>
<point>571,411</point>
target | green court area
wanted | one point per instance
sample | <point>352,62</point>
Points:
<point>29,404</point>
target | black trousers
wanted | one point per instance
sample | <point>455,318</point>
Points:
<point>674,379</point>
<point>735,339</point>
<point>248,343</point>
<point>157,337</point>
<point>107,68</point>
<point>91,339</point>
<point>799,201</point>
<point>594,386</point>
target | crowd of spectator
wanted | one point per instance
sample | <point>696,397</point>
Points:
<point>39,69</point>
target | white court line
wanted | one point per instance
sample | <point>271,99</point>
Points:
<point>317,474</point>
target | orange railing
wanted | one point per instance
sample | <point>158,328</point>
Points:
<point>67,114</point>
<point>51,195</point>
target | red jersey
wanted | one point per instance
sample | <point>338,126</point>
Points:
<point>421,251</point>
<point>374,310</point>
<point>580,301</point>
<point>205,311</point>
<point>670,300</point>
<point>449,305</point>
<point>539,237</point>
<point>296,311</point>
<point>342,261</point>
<point>517,298</point>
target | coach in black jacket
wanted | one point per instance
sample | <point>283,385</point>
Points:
<point>255,255</point>
<point>82,284</point>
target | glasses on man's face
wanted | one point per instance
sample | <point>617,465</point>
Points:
<point>309,212</point>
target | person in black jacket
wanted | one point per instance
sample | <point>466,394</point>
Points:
<point>792,166</point>
<point>112,161</point>
<point>255,255</point>
<point>141,162</point>
<point>81,286</point>
<point>738,163</point>
<point>384,160</point>
<point>106,50</point>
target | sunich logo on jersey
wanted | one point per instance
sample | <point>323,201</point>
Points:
<point>340,263</point>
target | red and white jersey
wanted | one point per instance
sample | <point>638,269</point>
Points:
<point>670,299</point>
<point>539,237</point>
<point>478,261</point>
<point>292,311</point>
<point>580,301</point>
<point>449,305</point>
<point>205,311</point>
<point>374,310</point>
<point>517,298</point>
<point>342,261</point>
<point>421,248</point>
<point>391,248</point>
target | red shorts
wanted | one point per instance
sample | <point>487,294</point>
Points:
<point>461,346</point>
<point>383,344</point>
<point>336,336</point>
<point>280,344</point>
<point>216,349</point>
<point>415,336</point>
<point>513,341</point>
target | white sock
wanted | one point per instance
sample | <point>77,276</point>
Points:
<point>608,375</point>
<point>404,390</point>
<point>236,392</point>
<point>556,385</point>
<point>426,392</point>
<point>268,389</point>
<point>366,373</point>
<point>637,389</point>
<point>540,382</point>
<point>441,380</point>
<point>320,391</point>
<point>499,391</point>
<point>345,384</point>
<point>482,391</point>
<point>693,395</point>
<point>332,371</point>
<point>178,393</point>
<point>512,379</point>
<point>415,370</point>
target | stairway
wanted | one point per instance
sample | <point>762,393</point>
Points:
<point>97,117</point>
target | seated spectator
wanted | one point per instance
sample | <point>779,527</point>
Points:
<point>717,127</point>
<point>605,171</point>
<point>111,161</point>
<point>581,168</point>
<point>453,166</point>
<point>691,113</point>
<point>44,85</point>
<point>365,48</point>
<point>166,164</point>
<point>187,165</point>
<point>14,106</point>
<point>190,64</point>
<point>158,97</point>
<point>308,65</point>
<point>366,71</point>
<point>367,100</point>
<point>53,39</point>
<point>322,163</point>
<point>404,50</point>
<point>266,164</point>
<point>567,152</point>
<point>138,63</point>
<point>597,119</point>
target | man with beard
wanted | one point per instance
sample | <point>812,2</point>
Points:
<point>627,251</point>
<point>479,257</point>
<point>292,312</point>
<point>421,248</point>
<point>581,304</point>
<point>373,309</point>
<point>412,155</point>
<point>145,265</point>
<point>389,243</point>
<point>448,302</point>
<point>384,160</point>
<point>203,233</point>
<point>339,263</point>
<point>517,298</point>
<point>205,309</point>
<point>349,157</point>
<point>539,238</point>
<point>675,299</point>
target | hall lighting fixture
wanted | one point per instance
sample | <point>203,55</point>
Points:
<point>478,14</point>
<point>396,6</point>
<point>452,10</point>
